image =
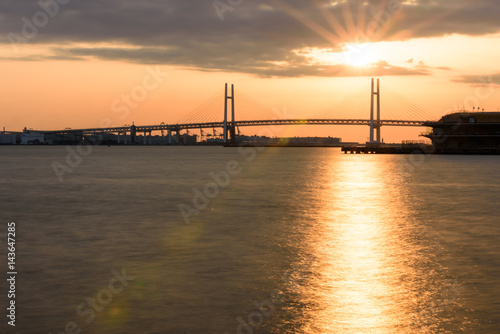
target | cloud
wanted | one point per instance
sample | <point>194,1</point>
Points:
<point>424,67</point>
<point>293,65</point>
<point>480,80</point>
<point>254,36</point>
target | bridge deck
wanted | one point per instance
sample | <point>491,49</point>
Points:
<point>178,127</point>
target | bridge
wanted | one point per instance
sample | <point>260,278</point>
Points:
<point>203,117</point>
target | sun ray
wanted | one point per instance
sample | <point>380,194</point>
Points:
<point>349,19</point>
<point>321,31</point>
<point>332,20</point>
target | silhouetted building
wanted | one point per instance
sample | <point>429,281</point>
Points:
<point>31,138</point>
<point>8,139</point>
<point>63,138</point>
<point>466,133</point>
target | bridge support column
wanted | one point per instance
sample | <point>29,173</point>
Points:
<point>371,112</point>
<point>233,121</point>
<point>169,137</point>
<point>225,116</point>
<point>375,124</point>
<point>378,111</point>
<point>232,127</point>
<point>232,134</point>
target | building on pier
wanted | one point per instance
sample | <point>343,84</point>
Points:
<point>466,133</point>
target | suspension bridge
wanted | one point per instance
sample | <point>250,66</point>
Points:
<point>354,109</point>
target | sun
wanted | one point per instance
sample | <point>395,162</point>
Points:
<point>360,55</point>
<point>349,54</point>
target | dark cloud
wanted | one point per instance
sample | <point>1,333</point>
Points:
<point>253,37</point>
<point>293,65</point>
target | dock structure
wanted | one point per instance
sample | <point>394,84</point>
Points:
<point>359,150</point>
<point>406,147</point>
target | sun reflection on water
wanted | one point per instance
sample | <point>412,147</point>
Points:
<point>367,273</point>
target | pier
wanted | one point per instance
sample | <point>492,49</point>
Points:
<point>406,147</point>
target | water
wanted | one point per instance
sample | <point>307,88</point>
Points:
<point>295,240</point>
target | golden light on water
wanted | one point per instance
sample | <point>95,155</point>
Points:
<point>366,275</point>
<point>357,266</point>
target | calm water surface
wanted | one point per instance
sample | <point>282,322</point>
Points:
<point>295,240</point>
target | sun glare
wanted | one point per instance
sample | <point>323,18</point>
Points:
<point>360,55</point>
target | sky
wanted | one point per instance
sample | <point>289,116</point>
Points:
<point>86,63</point>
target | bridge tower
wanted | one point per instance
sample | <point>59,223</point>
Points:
<point>232,126</point>
<point>375,124</point>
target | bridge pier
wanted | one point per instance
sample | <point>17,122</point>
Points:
<point>147,135</point>
<point>133,134</point>
<point>232,133</point>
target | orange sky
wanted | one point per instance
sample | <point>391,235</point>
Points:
<point>42,93</point>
